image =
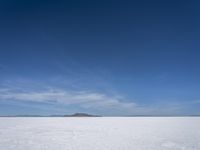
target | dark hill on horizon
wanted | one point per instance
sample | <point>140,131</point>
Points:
<point>81,115</point>
<point>72,115</point>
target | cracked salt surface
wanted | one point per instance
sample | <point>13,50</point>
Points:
<point>101,133</point>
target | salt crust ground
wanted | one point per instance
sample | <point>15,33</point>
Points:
<point>102,133</point>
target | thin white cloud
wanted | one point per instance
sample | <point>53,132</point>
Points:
<point>90,101</point>
<point>84,99</point>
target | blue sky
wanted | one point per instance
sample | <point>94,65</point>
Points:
<point>101,57</point>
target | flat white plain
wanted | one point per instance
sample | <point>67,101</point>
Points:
<point>101,133</point>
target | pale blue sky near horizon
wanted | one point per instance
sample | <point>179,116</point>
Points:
<point>100,57</point>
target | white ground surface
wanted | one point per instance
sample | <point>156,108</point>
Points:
<point>145,133</point>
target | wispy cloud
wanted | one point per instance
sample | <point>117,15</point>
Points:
<point>84,99</point>
<point>100,102</point>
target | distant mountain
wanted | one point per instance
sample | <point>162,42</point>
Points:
<point>81,115</point>
<point>89,115</point>
<point>72,115</point>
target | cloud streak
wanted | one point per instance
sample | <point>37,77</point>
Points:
<point>83,99</point>
<point>94,102</point>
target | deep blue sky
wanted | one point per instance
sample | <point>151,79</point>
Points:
<point>104,57</point>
